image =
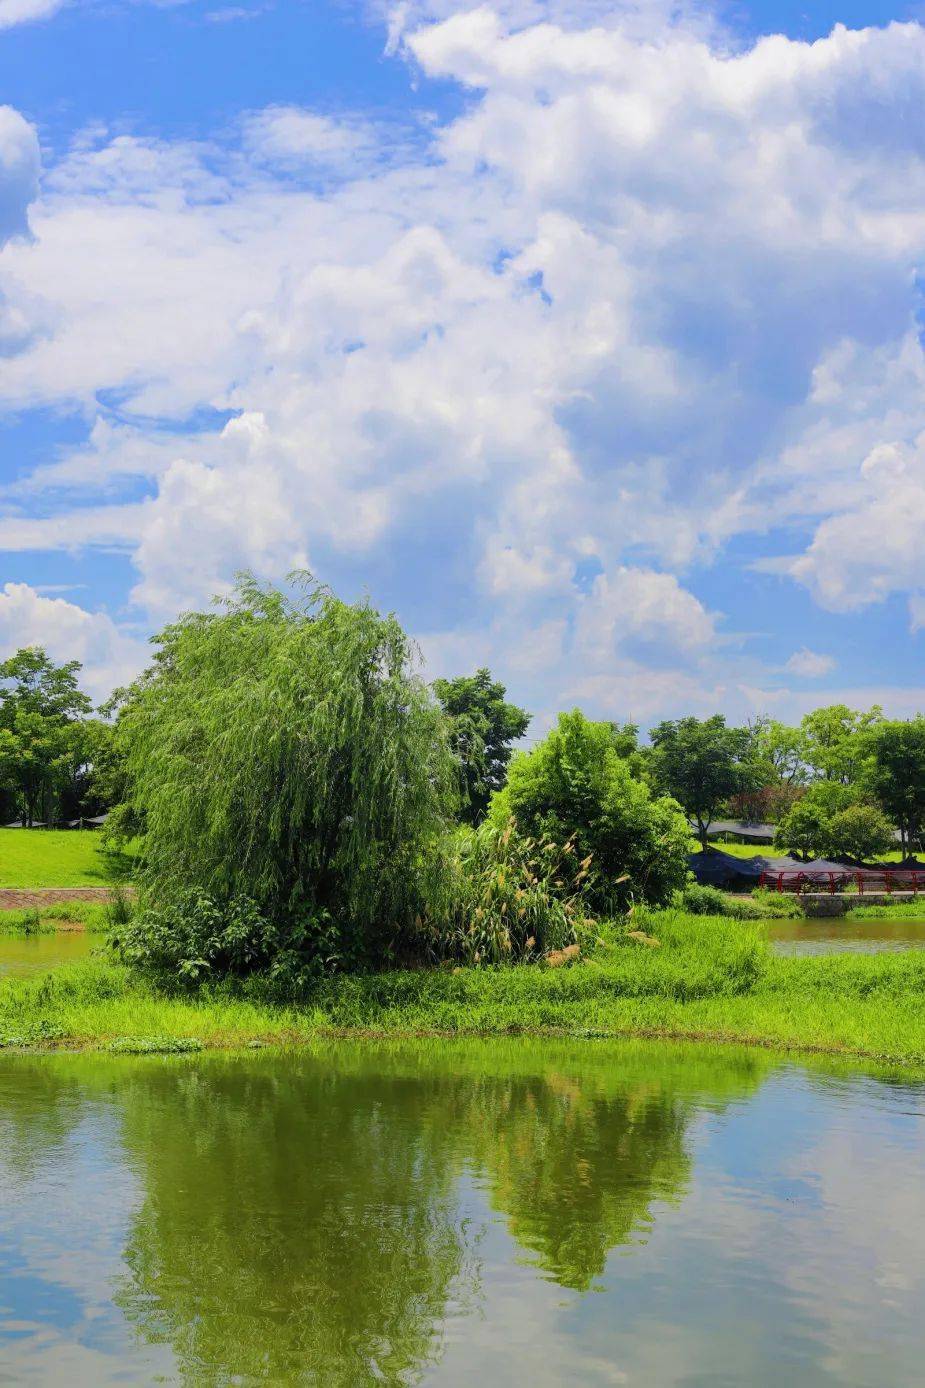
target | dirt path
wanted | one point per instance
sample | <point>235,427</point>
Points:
<point>19,898</point>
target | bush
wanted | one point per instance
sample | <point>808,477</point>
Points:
<point>292,773</point>
<point>511,898</point>
<point>700,900</point>
<point>574,788</point>
<point>196,938</point>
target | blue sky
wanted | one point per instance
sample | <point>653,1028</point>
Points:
<point>583,334</point>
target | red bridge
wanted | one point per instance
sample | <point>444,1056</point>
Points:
<point>887,880</point>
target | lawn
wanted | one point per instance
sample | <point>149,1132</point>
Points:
<point>765,850</point>
<point>58,858</point>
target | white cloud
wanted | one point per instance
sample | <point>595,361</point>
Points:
<point>24,11</point>
<point>811,665</point>
<point>293,135</point>
<point>19,171</point>
<point>69,632</point>
<point>643,295</point>
<point>874,547</point>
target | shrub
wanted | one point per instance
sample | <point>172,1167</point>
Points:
<point>778,905</point>
<point>119,908</point>
<point>700,900</point>
<point>574,788</point>
<point>511,898</point>
<point>195,938</point>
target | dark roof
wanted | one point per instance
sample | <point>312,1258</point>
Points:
<point>718,869</point>
<point>743,827</point>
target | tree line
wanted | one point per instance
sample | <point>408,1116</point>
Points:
<point>308,802</point>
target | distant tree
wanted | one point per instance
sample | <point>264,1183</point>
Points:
<point>779,748</point>
<point>764,804</point>
<point>41,741</point>
<point>836,742</point>
<point>702,763</point>
<point>898,777</point>
<point>860,831</point>
<point>483,727</point>
<point>804,830</point>
<point>575,787</point>
<point>30,682</point>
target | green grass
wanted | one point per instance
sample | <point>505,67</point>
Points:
<point>30,920</point>
<point>767,850</point>
<point>710,979</point>
<point>907,909</point>
<point>59,858</point>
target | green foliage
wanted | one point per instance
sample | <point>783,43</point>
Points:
<point>836,742</point>
<point>43,747</point>
<point>512,898</point>
<point>829,821</point>
<point>898,776</point>
<point>482,728</point>
<point>155,1045</point>
<point>574,788</point>
<point>292,771</point>
<point>120,908</point>
<point>702,900</point>
<point>777,905</point>
<point>195,937</point>
<point>860,831</point>
<point>804,830</point>
<point>27,921</point>
<point>702,763</point>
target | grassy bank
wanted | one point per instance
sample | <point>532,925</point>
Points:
<point>708,979</point>
<point>91,916</point>
<point>59,858</point>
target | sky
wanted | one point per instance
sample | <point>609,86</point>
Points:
<point>586,335</point>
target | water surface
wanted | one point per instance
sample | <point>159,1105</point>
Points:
<point>502,1212</point>
<point>21,955</point>
<point>844,935</point>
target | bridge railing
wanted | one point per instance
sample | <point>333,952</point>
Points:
<point>887,881</point>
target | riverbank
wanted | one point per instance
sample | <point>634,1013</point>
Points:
<point>708,979</point>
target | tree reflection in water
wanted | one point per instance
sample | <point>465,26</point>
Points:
<point>310,1217</point>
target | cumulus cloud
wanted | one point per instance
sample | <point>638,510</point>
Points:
<point>19,172</point>
<point>643,295</point>
<point>69,632</point>
<point>873,548</point>
<point>23,11</point>
<point>809,664</point>
<point>291,135</point>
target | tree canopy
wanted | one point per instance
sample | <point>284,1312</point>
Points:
<point>575,787</point>
<point>702,763</point>
<point>898,775</point>
<point>483,727</point>
<point>289,762</point>
<point>45,746</point>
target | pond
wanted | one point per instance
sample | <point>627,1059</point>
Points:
<point>502,1212</point>
<point>844,935</point>
<point>30,954</point>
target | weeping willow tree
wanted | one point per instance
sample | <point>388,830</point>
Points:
<point>284,754</point>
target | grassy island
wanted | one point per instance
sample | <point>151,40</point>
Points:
<point>706,978</point>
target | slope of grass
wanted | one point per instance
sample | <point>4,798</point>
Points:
<point>765,850</point>
<point>709,979</point>
<point>59,858</point>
